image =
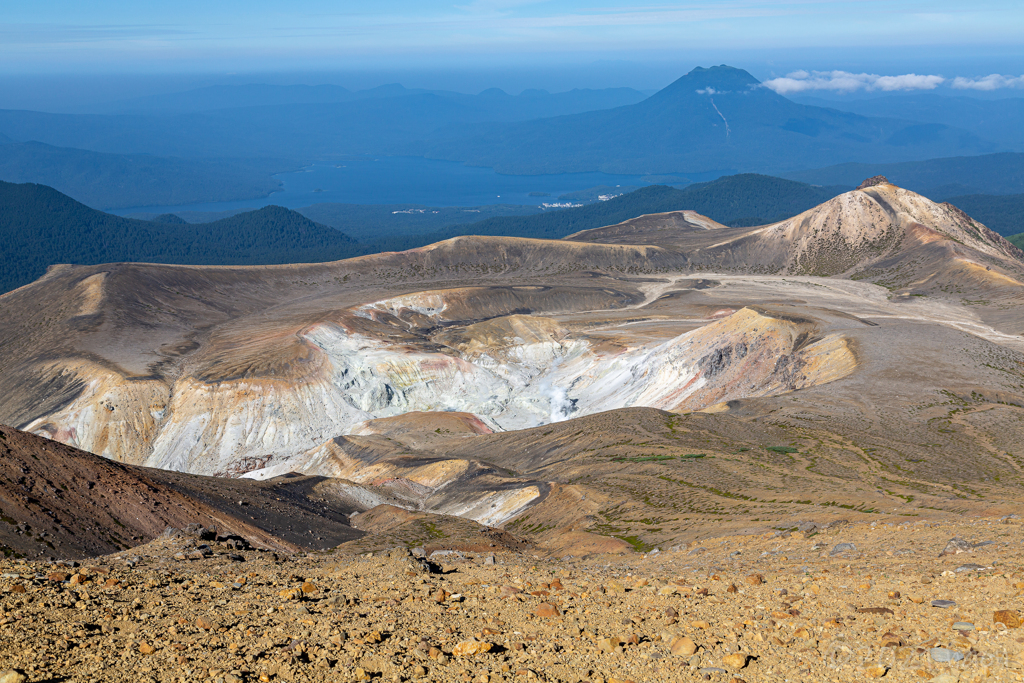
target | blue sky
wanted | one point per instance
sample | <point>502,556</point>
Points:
<point>230,34</point>
<point>801,46</point>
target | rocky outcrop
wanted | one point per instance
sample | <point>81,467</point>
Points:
<point>874,181</point>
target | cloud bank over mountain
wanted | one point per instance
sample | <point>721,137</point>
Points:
<point>847,82</point>
<point>844,81</point>
<point>990,82</point>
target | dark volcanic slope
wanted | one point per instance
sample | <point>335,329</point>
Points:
<point>58,501</point>
<point>294,508</point>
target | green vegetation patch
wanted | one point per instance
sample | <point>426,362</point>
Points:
<point>660,458</point>
<point>433,531</point>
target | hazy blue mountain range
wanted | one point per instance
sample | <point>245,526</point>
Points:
<point>387,119</point>
<point>499,104</point>
<point>124,180</point>
<point>993,119</point>
<point>710,119</point>
<point>937,179</point>
<point>716,120</point>
<point>39,227</point>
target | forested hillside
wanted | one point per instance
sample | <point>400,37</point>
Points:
<point>40,227</point>
<point>746,199</point>
<point>937,179</point>
<point>1002,213</point>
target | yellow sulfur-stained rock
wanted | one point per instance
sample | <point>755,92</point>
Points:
<point>468,648</point>
<point>1007,617</point>
<point>875,670</point>
<point>735,661</point>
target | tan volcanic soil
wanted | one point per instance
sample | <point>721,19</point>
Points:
<point>771,607</point>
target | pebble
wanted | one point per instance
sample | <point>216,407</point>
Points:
<point>614,620</point>
<point>875,670</point>
<point>944,604</point>
<point>12,676</point>
<point>943,655</point>
<point>971,568</point>
<point>471,647</point>
<point>735,661</point>
<point>682,646</point>
<point>957,545</point>
<point>547,610</point>
<point>1007,617</point>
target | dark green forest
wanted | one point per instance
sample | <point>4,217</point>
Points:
<point>40,227</point>
<point>1002,213</point>
<point>937,179</point>
<point>739,200</point>
<point>370,222</point>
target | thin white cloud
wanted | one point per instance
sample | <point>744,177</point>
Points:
<point>844,81</point>
<point>59,34</point>
<point>908,82</point>
<point>990,82</point>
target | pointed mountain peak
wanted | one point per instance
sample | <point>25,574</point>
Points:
<point>721,78</point>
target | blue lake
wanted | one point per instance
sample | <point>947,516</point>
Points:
<point>414,180</point>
